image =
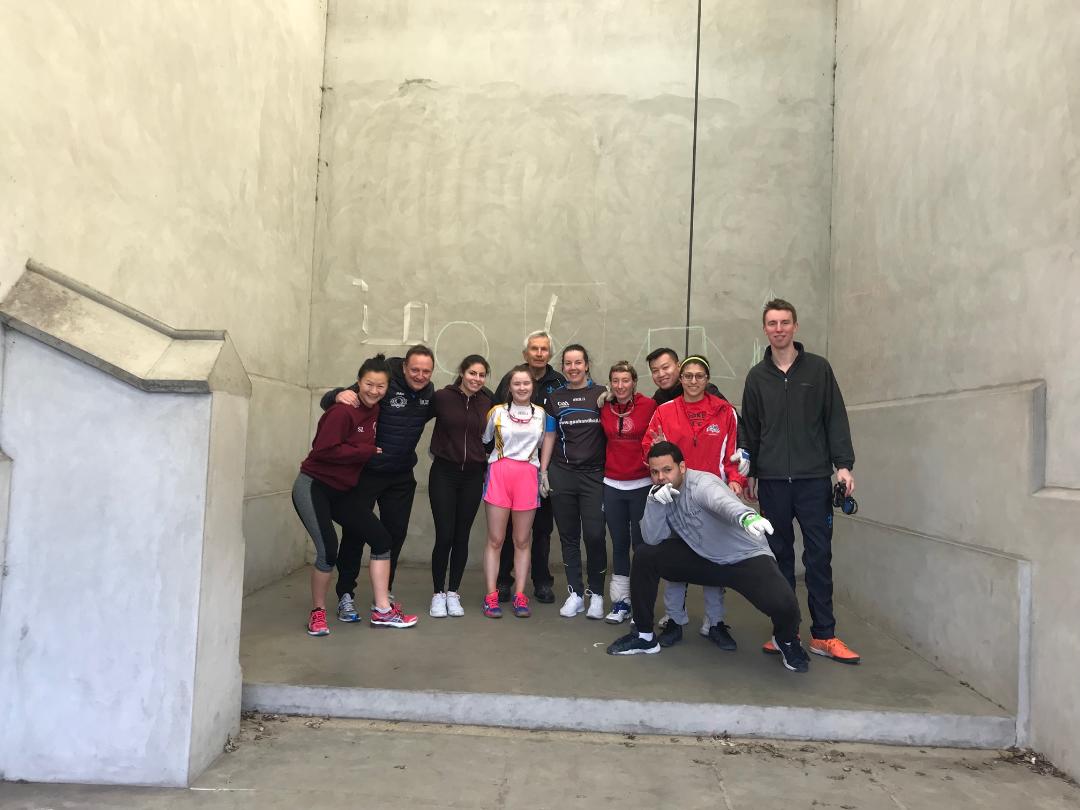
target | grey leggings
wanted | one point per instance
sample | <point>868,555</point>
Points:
<point>321,506</point>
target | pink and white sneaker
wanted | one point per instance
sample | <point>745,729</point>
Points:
<point>394,617</point>
<point>316,625</point>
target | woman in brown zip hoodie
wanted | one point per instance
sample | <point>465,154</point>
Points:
<point>456,480</point>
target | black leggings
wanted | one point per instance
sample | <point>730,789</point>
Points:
<point>455,494</point>
<point>577,500</point>
<point>321,506</point>
<point>623,510</point>
<point>393,492</point>
<point>756,578</point>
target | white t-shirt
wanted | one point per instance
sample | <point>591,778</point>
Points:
<point>517,432</point>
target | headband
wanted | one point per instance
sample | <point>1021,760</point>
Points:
<point>695,359</point>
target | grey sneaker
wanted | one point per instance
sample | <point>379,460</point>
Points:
<point>346,610</point>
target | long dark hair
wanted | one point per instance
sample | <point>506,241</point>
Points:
<point>470,360</point>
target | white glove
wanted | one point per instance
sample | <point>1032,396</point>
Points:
<point>755,525</point>
<point>665,494</point>
<point>604,397</point>
<point>742,458</point>
<point>545,485</point>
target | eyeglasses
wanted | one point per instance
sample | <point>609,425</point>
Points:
<point>694,377</point>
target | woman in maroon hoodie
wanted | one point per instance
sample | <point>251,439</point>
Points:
<point>456,480</point>
<point>624,415</point>
<point>324,494</point>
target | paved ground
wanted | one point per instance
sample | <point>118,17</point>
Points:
<point>297,762</point>
<point>553,656</point>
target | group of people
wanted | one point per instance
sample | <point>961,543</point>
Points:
<point>669,477</point>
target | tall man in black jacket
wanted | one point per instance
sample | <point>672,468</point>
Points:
<point>795,427</point>
<point>537,353</point>
<point>388,478</point>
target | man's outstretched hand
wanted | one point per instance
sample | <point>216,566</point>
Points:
<point>664,493</point>
<point>755,525</point>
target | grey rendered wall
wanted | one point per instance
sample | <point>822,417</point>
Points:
<point>761,222</point>
<point>490,168</point>
<point>165,154</point>
<point>956,227</point>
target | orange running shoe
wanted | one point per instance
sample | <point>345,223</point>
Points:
<point>770,648</point>
<point>835,649</point>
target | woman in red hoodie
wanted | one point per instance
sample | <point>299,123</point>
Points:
<point>456,480</point>
<point>324,494</point>
<point>704,427</point>
<point>624,416</point>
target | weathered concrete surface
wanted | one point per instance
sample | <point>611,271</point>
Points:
<point>562,677</point>
<point>112,338</point>
<point>764,160</point>
<point>166,156</point>
<point>956,226</point>
<point>475,192</point>
<point>295,762</point>
<point>119,621</point>
<point>955,266</point>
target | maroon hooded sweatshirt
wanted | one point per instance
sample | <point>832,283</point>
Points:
<point>344,441</point>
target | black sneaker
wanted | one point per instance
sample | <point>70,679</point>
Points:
<point>671,633</point>
<point>633,644</point>
<point>720,635</point>
<point>792,655</point>
<point>504,591</point>
<point>544,594</point>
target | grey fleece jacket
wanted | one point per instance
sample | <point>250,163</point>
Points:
<point>706,517</point>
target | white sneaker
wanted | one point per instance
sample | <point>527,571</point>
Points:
<point>438,605</point>
<point>596,605</point>
<point>573,605</point>
<point>620,612</point>
<point>453,604</point>
<point>705,625</point>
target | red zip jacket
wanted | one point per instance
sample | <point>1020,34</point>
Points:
<point>344,441</point>
<point>459,425</point>
<point>705,431</point>
<point>624,426</point>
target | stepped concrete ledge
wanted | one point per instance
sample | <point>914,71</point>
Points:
<point>547,672</point>
<point>144,489</point>
<point>123,342</point>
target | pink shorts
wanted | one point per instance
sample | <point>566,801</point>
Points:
<point>512,485</point>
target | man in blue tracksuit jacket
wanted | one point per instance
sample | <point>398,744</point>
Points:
<point>388,479</point>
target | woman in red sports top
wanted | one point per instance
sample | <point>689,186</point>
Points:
<point>624,416</point>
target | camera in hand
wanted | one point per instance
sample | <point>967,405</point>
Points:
<point>842,501</point>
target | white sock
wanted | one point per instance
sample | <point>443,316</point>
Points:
<point>645,636</point>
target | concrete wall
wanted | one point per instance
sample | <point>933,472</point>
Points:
<point>761,223</point>
<point>165,155</point>
<point>955,233</point>
<point>109,620</point>
<point>490,168</point>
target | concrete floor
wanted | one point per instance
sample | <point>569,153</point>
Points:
<point>547,655</point>
<point>286,763</point>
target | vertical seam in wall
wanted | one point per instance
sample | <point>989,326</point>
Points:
<point>1023,678</point>
<point>189,777</point>
<point>830,308</point>
<point>693,182</point>
<point>315,217</point>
